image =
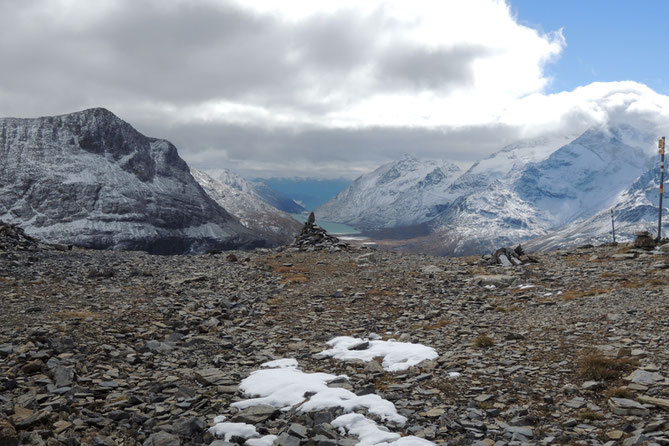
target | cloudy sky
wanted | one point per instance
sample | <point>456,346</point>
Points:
<point>335,88</point>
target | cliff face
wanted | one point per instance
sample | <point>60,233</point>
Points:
<point>91,179</point>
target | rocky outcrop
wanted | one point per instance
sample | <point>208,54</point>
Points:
<point>91,179</point>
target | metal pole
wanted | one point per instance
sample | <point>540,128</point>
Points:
<point>613,228</point>
<point>659,219</point>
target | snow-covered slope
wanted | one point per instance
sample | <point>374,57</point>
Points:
<point>636,209</point>
<point>236,196</point>
<point>401,193</point>
<point>508,161</point>
<point>576,181</point>
<point>90,179</point>
<point>275,198</point>
<point>258,189</point>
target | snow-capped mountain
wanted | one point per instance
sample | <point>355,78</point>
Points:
<point>636,209</point>
<point>91,179</point>
<point>576,181</point>
<point>237,196</point>
<point>258,189</point>
<point>401,193</point>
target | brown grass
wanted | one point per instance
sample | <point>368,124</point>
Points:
<point>294,279</point>
<point>483,342</point>
<point>438,324</point>
<point>619,392</point>
<point>576,294</point>
<point>78,315</point>
<point>292,269</point>
<point>596,366</point>
<point>590,415</point>
<point>507,309</point>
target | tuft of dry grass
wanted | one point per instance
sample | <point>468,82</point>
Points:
<point>501,309</point>
<point>292,269</point>
<point>78,315</point>
<point>599,367</point>
<point>576,294</point>
<point>619,392</point>
<point>590,415</point>
<point>483,342</point>
<point>295,279</point>
<point>437,325</point>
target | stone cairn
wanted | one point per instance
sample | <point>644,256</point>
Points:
<point>509,257</point>
<point>314,238</point>
<point>13,237</point>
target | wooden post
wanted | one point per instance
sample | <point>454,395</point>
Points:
<point>659,219</point>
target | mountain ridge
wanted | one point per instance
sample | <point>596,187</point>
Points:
<point>89,178</point>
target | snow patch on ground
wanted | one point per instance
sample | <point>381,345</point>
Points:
<point>227,430</point>
<point>281,384</point>
<point>397,356</point>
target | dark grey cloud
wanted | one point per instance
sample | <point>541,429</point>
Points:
<point>256,151</point>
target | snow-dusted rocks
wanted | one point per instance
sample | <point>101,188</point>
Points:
<point>401,193</point>
<point>237,197</point>
<point>90,179</point>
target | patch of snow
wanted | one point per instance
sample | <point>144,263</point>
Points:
<point>267,440</point>
<point>371,434</point>
<point>227,430</point>
<point>396,355</point>
<point>284,388</point>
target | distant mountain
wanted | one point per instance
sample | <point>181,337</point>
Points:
<point>308,192</point>
<point>90,179</point>
<point>239,198</point>
<point>636,209</point>
<point>275,198</point>
<point>576,181</point>
<point>401,193</point>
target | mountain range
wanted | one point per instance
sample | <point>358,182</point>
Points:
<point>90,179</point>
<point>557,189</point>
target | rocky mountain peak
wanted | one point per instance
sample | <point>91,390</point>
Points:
<point>89,178</point>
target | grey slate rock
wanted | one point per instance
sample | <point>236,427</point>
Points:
<point>162,439</point>
<point>255,414</point>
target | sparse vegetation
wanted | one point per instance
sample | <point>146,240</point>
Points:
<point>619,392</point>
<point>576,294</point>
<point>596,366</point>
<point>484,342</point>
<point>590,415</point>
<point>295,279</point>
<point>78,315</point>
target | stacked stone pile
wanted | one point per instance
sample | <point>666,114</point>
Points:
<point>314,238</point>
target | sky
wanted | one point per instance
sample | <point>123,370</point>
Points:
<point>334,89</point>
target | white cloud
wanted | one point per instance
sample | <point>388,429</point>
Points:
<point>303,86</point>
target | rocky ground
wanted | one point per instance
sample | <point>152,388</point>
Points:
<point>125,348</point>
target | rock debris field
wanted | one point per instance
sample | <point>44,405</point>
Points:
<point>335,346</point>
